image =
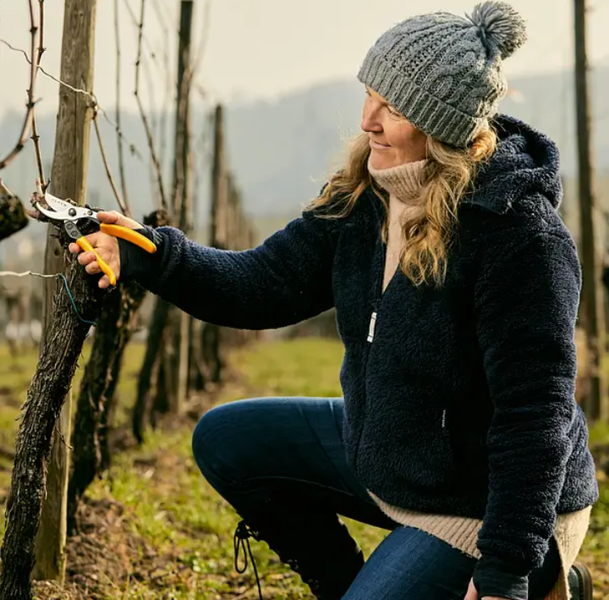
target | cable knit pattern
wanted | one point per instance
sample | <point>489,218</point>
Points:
<point>444,72</point>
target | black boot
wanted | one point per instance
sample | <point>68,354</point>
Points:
<point>319,548</point>
<point>580,582</point>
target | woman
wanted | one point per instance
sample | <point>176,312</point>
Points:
<point>456,287</point>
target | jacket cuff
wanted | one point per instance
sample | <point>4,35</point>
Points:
<point>497,577</point>
<point>136,262</point>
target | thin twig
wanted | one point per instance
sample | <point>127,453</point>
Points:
<point>163,20</point>
<point>36,140</point>
<point>27,122</point>
<point>154,125</point>
<point>201,50</point>
<point>121,158</point>
<point>41,47</point>
<point>147,129</point>
<point>165,31</point>
<point>158,124</point>
<point>132,147</point>
<point>145,40</point>
<point>35,135</point>
<point>122,205</point>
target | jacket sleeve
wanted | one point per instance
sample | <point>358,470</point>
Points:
<point>285,280</point>
<point>527,294</point>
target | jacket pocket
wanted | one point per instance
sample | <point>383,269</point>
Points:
<point>414,448</point>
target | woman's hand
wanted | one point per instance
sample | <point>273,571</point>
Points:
<point>472,593</point>
<point>105,245</point>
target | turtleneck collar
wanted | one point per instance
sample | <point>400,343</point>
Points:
<point>402,182</point>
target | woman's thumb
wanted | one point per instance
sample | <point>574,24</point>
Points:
<point>111,217</point>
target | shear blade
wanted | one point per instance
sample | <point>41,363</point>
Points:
<point>57,204</point>
<point>51,214</point>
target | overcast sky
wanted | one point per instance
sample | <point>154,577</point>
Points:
<point>265,48</point>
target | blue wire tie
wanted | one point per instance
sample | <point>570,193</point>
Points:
<point>65,282</point>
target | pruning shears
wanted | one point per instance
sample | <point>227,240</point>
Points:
<point>70,216</point>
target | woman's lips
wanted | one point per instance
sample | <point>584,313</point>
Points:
<point>378,146</point>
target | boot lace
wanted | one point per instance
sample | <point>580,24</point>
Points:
<point>241,542</point>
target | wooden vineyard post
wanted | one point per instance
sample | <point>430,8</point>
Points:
<point>69,173</point>
<point>596,404</point>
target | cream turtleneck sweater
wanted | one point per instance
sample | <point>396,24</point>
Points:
<point>403,184</point>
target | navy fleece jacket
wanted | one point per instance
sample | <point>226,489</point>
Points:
<point>462,400</point>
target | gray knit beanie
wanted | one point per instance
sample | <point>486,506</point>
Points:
<point>444,72</point>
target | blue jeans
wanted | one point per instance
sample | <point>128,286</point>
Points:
<point>250,450</point>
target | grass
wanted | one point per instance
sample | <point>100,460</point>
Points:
<point>152,528</point>
<point>15,375</point>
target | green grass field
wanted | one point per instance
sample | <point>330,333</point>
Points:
<point>152,528</point>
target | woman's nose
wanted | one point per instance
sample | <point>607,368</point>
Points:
<point>370,120</point>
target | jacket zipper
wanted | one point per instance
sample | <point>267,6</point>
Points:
<point>378,298</point>
<point>371,327</point>
<point>379,293</point>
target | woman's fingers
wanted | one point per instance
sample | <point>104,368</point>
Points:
<point>96,240</point>
<point>92,268</point>
<point>86,258</point>
<point>106,246</point>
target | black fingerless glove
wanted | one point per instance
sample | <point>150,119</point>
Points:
<point>136,262</point>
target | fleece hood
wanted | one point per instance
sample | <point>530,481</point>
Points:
<point>526,164</point>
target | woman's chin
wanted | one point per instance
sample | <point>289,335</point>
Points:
<point>379,162</point>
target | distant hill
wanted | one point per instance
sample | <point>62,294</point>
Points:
<point>282,151</point>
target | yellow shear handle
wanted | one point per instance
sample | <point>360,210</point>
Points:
<point>103,265</point>
<point>129,235</point>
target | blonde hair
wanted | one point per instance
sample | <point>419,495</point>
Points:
<point>447,175</point>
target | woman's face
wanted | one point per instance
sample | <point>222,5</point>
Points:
<point>393,140</point>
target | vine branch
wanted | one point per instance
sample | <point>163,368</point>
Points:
<point>146,123</point>
<point>29,113</point>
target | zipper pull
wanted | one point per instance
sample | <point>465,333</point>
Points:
<point>371,327</point>
<point>443,418</point>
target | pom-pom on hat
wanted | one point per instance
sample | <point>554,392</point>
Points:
<point>444,72</point>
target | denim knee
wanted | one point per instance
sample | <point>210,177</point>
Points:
<point>211,443</point>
